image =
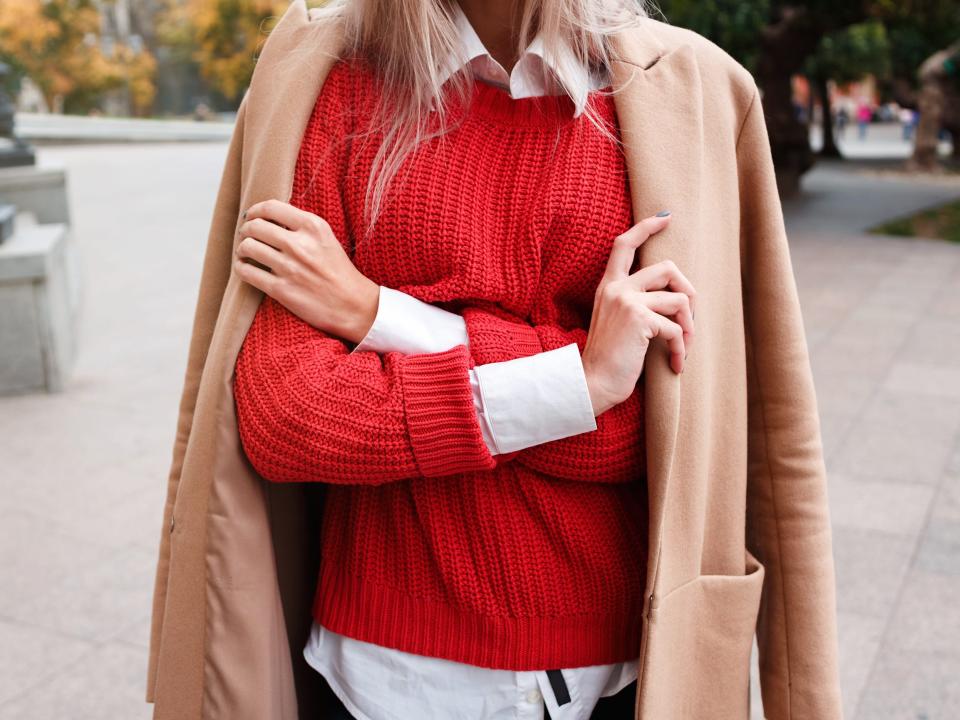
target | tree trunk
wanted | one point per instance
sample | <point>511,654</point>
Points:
<point>932,104</point>
<point>829,148</point>
<point>783,48</point>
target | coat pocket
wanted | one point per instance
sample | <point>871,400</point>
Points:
<point>699,640</point>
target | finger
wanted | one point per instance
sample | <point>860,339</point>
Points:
<point>625,245</point>
<point>259,278</point>
<point>267,232</point>
<point>675,305</point>
<point>664,274</point>
<point>261,252</point>
<point>672,333</point>
<point>279,212</point>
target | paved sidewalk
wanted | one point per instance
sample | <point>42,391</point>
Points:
<point>62,129</point>
<point>883,325</point>
<point>82,481</point>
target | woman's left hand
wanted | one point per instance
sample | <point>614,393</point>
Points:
<point>309,271</point>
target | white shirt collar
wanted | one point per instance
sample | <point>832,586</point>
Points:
<point>532,75</point>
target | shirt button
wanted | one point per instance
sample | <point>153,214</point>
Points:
<point>534,696</point>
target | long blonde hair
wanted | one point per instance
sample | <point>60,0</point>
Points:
<point>408,42</point>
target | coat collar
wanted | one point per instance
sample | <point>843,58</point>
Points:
<point>662,131</point>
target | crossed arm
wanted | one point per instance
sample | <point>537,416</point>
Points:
<point>309,409</point>
<point>498,390</point>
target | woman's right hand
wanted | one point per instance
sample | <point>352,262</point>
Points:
<point>629,310</point>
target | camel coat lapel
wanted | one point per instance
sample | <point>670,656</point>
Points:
<point>238,558</point>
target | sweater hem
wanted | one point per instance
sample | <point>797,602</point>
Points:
<point>346,604</point>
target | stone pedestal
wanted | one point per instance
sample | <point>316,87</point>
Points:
<point>37,189</point>
<point>39,308</point>
<point>7,213</point>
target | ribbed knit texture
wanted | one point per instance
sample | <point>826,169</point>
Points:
<point>526,561</point>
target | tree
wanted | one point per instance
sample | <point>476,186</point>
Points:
<point>733,24</point>
<point>221,36</point>
<point>938,101</point>
<point>845,56</point>
<point>916,29</point>
<point>56,43</point>
<point>773,39</point>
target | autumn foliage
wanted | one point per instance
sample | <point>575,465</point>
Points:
<point>222,37</point>
<point>56,43</point>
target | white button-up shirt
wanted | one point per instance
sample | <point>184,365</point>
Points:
<point>519,403</point>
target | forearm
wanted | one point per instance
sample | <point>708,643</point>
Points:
<point>530,387</point>
<point>520,403</point>
<point>309,410</point>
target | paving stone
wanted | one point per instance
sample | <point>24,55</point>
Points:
<point>939,550</point>
<point>136,634</point>
<point>936,341</point>
<point>31,655</point>
<point>912,686</point>
<point>947,505</point>
<point>95,602</point>
<point>927,617</point>
<point>911,412</point>
<point>107,683</point>
<point>925,378</point>
<point>833,430</point>
<point>879,450</point>
<point>870,568</point>
<point>860,637</point>
<point>35,556</point>
<point>840,392</point>
<point>867,505</point>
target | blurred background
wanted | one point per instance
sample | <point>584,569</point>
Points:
<point>114,118</point>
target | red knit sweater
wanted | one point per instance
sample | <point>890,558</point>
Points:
<point>526,561</point>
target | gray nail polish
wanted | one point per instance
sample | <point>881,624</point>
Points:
<point>662,213</point>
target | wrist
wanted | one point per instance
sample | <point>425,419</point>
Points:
<point>365,312</point>
<point>599,398</point>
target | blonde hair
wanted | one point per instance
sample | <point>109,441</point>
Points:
<point>409,41</point>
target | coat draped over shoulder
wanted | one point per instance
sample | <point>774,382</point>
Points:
<point>740,540</point>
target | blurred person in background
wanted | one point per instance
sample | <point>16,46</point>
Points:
<point>864,118</point>
<point>908,121</point>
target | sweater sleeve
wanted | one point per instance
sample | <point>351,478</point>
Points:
<point>614,452</point>
<point>310,410</point>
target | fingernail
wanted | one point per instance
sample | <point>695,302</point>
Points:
<point>662,213</point>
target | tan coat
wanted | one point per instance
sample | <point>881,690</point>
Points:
<point>740,538</point>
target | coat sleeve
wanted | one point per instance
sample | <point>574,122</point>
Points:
<point>788,522</point>
<point>215,272</point>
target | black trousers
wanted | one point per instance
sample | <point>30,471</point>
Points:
<point>612,707</point>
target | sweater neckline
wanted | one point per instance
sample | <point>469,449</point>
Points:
<point>492,103</point>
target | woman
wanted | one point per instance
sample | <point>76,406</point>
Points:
<point>451,319</point>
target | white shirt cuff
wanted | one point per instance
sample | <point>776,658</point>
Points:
<point>535,399</point>
<point>520,403</point>
<point>408,325</point>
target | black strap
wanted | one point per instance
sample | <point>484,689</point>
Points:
<point>559,685</point>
